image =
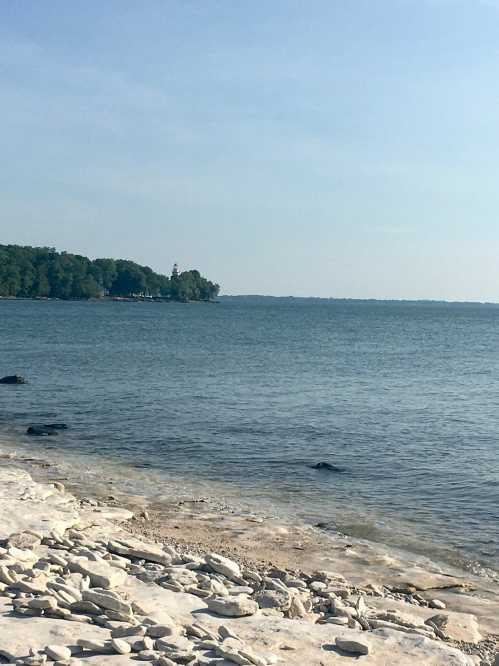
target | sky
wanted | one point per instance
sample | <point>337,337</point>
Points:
<point>345,148</point>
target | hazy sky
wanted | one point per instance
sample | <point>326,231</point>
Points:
<point>322,147</point>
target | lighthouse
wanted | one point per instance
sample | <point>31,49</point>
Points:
<point>175,271</point>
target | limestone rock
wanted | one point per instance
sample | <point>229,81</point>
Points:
<point>232,606</point>
<point>100,574</point>
<point>58,652</point>
<point>27,506</point>
<point>223,565</point>
<point>121,646</point>
<point>108,601</point>
<point>436,603</point>
<point>20,634</point>
<point>138,549</point>
<point>279,599</point>
<point>351,646</point>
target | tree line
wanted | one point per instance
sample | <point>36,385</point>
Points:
<point>42,272</point>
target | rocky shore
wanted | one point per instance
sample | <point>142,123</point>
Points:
<point>83,582</point>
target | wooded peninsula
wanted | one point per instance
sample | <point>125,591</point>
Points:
<point>42,272</point>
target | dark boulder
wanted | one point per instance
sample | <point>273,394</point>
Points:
<point>40,431</point>
<point>12,379</point>
<point>327,467</point>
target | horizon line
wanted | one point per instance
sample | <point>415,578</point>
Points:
<point>363,300</point>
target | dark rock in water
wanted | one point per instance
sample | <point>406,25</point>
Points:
<point>327,466</point>
<point>40,431</point>
<point>56,426</point>
<point>12,379</point>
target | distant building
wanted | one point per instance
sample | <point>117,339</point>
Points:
<point>175,271</point>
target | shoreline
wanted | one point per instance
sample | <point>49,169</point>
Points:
<point>108,299</point>
<point>199,526</point>
<point>149,485</point>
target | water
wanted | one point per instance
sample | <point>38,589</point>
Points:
<point>241,398</point>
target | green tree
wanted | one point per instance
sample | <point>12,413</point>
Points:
<point>41,271</point>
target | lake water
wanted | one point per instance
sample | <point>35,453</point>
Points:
<point>241,398</point>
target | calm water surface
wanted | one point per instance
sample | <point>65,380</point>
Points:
<point>246,396</point>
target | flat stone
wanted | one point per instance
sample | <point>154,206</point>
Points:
<point>58,652</point>
<point>43,603</point>
<point>274,599</point>
<point>102,647</point>
<point>223,565</point>
<point>108,601</point>
<point>232,606</point>
<point>20,634</point>
<point>109,660</point>
<point>351,646</point>
<point>458,626</point>
<point>140,550</point>
<point>27,506</point>
<point>436,603</point>
<point>162,630</point>
<point>159,604</point>
<point>121,647</point>
<point>100,574</point>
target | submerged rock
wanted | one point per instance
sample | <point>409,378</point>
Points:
<point>40,431</point>
<point>327,467</point>
<point>12,379</point>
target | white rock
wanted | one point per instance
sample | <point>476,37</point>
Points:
<point>121,647</point>
<point>232,606</point>
<point>223,565</point>
<point>43,603</point>
<point>20,634</point>
<point>58,652</point>
<point>139,550</point>
<point>108,601</point>
<point>100,573</point>
<point>436,603</point>
<point>102,647</point>
<point>6,576</point>
<point>27,506</point>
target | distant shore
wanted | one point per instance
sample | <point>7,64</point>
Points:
<point>256,298</point>
<point>107,299</point>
